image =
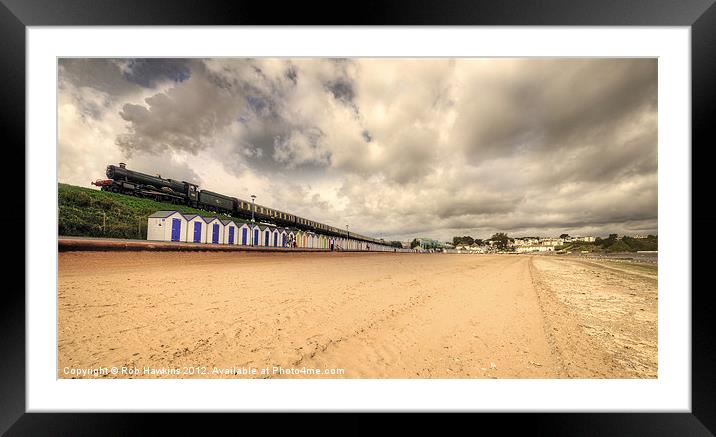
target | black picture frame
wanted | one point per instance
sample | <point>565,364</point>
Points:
<point>16,15</point>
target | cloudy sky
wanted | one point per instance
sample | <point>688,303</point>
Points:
<point>395,148</point>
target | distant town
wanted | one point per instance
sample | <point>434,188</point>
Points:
<point>565,243</point>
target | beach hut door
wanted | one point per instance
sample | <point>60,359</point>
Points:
<point>176,229</point>
<point>231,235</point>
<point>215,236</point>
<point>197,232</point>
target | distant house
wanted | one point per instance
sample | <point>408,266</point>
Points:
<point>583,239</point>
<point>551,241</point>
<point>534,248</point>
<point>166,226</point>
<point>465,248</point>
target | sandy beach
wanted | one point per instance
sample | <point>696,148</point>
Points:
<point>353,315</point>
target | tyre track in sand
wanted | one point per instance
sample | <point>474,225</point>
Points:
<point>489,329</point>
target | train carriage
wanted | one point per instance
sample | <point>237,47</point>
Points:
<point>216,202</point>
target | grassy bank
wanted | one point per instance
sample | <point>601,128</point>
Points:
<point>613,245</point>
<point>85,212</point>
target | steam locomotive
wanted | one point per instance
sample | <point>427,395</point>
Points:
<point>125,181</point>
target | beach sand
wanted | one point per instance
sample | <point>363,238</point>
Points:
<point>353,315</point>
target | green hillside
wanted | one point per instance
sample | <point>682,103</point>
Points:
<point>86,212</point>
<point>614,244</point>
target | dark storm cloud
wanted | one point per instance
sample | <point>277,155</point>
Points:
<point>270,144</point>
<point>149,72</point>
<point>308,138</point>
<point>104,75</point>
<point>476,205</point>
<point>341,86</point>
<point>184,118</point>
<point>292,75</point>
<point>341,90</point>
<point>613,160</point>
<point>550,105</point>
<point>248,105</point>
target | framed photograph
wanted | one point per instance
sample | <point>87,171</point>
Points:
<point>458,210</point>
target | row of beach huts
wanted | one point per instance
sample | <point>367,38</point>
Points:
<point>193,228</point>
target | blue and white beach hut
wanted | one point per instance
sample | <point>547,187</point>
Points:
<point>166,226</point>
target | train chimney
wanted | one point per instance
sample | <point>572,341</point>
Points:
<point>122,165</point>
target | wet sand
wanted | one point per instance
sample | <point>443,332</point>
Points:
<point>355,315</point>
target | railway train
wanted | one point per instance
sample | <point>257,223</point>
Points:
<point>122,180</point>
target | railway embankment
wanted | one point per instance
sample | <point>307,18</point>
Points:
<point>84,212</point>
